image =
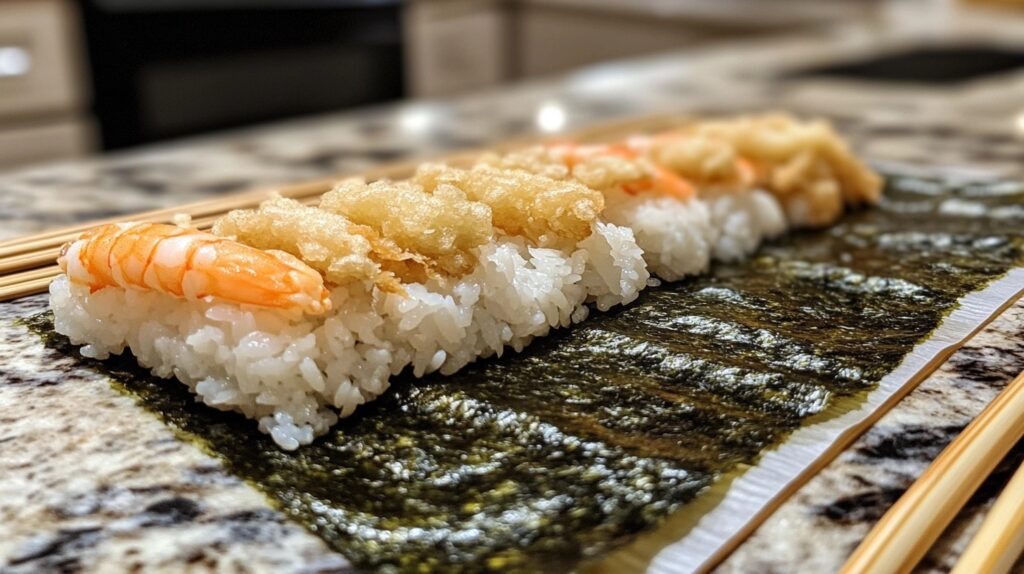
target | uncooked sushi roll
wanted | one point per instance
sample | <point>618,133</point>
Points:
<point>295,315</point>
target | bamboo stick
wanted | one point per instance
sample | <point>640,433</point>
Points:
<point>902,537</point>
<point>24,288</point>
<point>999,542</point>
<point>49,272</point>
<point>201,208</point>
<point>29,260</point>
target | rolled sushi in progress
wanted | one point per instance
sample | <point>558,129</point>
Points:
<point>295,315</point>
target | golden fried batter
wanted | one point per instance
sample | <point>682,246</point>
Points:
<point>444,226</point>
<point>701,160</point>
<point>538,160</point>
<point>414,230</point>
<point>330,244</point>
<point>542,209</point>
<point>339,249</point>
<point>596,169</point>
<point>805,164</point>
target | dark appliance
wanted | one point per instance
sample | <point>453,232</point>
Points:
<point>940,65</point>
<point>168,68</point>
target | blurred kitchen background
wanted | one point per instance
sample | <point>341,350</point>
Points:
<point>79,77</point>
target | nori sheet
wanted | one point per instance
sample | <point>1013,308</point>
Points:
<point>539,460</point>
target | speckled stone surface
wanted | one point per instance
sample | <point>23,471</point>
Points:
<point>90,482</point>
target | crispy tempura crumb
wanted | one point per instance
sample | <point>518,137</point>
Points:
<point>600,171</point>
<point>414,230</point>
<point>538,160</point>
<point>329,243</point>
<point>444,226</point>
<point>805,164</point>
<point>610,171</point>
<point>701,160</point>
<point>430,226</point>
<point>546,211</point>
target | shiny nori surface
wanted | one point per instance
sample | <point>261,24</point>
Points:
<point>538,460</point>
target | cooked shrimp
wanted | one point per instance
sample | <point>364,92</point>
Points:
<point>191,264</point>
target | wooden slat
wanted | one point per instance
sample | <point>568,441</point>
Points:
<point>29,260</point>
<point>24,288</point>
<point>1000,540</point>
<point>906,532</point>
<point>48,272</point>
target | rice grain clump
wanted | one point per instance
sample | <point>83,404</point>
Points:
<point>297,373</point>
<point>295,315</point>
<point>677,237</point>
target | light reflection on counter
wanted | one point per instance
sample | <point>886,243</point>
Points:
<point>551,117</point>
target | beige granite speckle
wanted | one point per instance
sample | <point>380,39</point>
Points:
<point>87,479</point>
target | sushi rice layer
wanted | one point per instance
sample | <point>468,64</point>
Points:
<point>297,373</point>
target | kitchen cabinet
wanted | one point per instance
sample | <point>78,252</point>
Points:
<point>455,46</point>
<point>42,92</point>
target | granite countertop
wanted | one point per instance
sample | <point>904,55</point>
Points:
<point>89,479</point>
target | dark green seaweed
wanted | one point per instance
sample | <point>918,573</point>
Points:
<point>539,460</point>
